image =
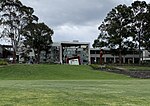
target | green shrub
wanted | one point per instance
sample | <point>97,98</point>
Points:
<point>110,67</point>
<point>94,66</point>
<point>3,62</point>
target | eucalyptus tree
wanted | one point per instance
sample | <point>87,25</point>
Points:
<point>146,27</point>
<point>100,41</point>
<point>139,23</point>
<point>14,17</point>
<point>38,37</point>
<point>115,30</point>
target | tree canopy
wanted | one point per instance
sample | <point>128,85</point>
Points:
<point>19,23</point>
<point>38,36</point>
<point>14,17</point>
<point>125,27</point>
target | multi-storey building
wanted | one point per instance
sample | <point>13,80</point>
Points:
<point>76,53</point>
<point>70,52</point>
<point>109,57</point>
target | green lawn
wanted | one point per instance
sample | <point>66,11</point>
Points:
<point>75,93</point>
<point>64,85</point>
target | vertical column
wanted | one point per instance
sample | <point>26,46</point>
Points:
<point>95,61</point>
<point>105,59</point>
<point>114,59</point>
<point>60,53</point>
<point>133,60</point>
<point>89,57</point>
<point>124,60</point>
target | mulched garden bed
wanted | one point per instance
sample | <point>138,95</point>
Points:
<point>135,74</point>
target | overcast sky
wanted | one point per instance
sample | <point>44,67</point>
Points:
<point>73,19</point>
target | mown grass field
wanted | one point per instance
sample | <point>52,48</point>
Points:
<point>75,93</point>
<point>64,85</point>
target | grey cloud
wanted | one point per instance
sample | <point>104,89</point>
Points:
<point>78,12</point>
<point>81,33</point>
<point>73,19</point>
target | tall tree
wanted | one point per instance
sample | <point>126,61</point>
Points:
<point>139,9</point>
<point>38,36</point>
<point>114,31</point>
<point>14,17</point>
<point>146,28</point>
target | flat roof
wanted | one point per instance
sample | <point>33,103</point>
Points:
<point>99,48</point>
<point>70,43</point>
<point>65,42</point>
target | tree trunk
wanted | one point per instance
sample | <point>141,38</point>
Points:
<point>38,56</point>
<point>120,56</point>
<point>14,56</point>
<point>14,53</point>
<point>139,47</point>
<point>46,56</point>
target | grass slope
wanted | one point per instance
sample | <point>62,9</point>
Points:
<point>54,72</point>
